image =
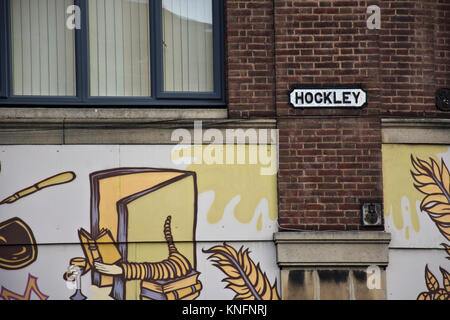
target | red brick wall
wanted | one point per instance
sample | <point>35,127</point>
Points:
<point>250,58</point>
<point>415,56</point>
<point>326,167</point>
<point>442,43</point>
<point>330,159</point>
<point>325,43</point>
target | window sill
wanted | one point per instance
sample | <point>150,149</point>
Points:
<point>41,126</point>
<point>55,114</point>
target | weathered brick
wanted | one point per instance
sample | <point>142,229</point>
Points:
<point>331,158</point>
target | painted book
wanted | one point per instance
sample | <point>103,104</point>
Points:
<point>100,248</point>
<point>180,294</point>
<point>165,286</point>
<point>133,204</point>
<point>192,296</point>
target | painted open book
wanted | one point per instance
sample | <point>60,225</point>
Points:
<point>133,204</point>
<point>100,248</point>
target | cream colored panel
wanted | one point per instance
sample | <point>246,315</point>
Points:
<point>119,41</point>
<point>188,45</point>
<point>43,48</point>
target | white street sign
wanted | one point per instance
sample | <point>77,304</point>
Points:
<point>328,98</point>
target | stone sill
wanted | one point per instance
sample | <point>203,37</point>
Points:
<point>113,126</point>
<point>415,131</point>
<point>110,114</point>
<point>340,248</point>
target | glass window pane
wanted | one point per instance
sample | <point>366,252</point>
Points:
<point>43,48</point>
<point>119,44</point>
<point>188,45</point>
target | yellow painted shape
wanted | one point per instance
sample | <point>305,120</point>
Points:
<point>259,223</point>
<point>100,293</point>
<point>113,189</point>
<point>58,179</point>
<point>146,217</point>
<point>229,180</point>
<point>398,182</point>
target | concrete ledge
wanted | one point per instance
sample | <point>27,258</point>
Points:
<point>48,114</point>
<point>16,131</point>
<point>318,249</point>
<point>416,131</point>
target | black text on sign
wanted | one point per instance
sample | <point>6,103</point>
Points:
<point>328,98</point>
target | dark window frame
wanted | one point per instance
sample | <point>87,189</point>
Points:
<point>3,55</point>
<point>158,98</point>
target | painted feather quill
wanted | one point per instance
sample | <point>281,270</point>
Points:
<point>244,277</point>
<point>434,182</point>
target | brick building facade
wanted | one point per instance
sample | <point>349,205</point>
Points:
<point>330,159</point>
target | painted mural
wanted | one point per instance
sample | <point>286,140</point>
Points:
<point>31,287</point>
<point>417,214</point>
<point>17,244</point>
<point>433,180</point>
<point>244,277</point>
<point>131,222</point>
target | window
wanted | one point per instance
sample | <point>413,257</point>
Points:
<point>42,52</point>
<point>119,48</point>
<point>188,49</point>
<point>126,52</point>
<point>3,77</point>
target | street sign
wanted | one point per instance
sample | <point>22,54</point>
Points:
<point>328,98</point>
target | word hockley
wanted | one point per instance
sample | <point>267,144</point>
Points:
<point>328,98</point>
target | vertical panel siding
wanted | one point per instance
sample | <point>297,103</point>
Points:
<point>188,46</point>
<point>119,41</point>
<point>43,48</point>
